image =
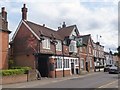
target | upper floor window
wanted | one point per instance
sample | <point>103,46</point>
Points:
<point>89,49</point>
<point>90,62</point>
<point>59,46</point>
<point>46,43</point>
<point>82,63</point>
<point>80,49</point>
<point>72,47</point>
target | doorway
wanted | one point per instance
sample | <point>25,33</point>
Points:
<point>87,66</point>
<point>43,65</point>
<point>72,68</point>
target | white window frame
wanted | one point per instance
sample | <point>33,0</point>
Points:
<point>91,63</point>
<point>66,63</point>
<point>72,48</point>
<point>59,46</point>
<point>89,49</point>
<point>80,49</point>
<point>59,63</point>
<point>46,43</point>
<point>82,63</point>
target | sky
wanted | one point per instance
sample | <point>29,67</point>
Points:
<point>95,17</point>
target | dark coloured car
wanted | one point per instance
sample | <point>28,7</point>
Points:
<point>106,68</point>
<point>114,69</point>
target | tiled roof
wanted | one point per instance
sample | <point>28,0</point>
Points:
<point>44,30</point>
<point>85,38</point>
<point>66,31</point>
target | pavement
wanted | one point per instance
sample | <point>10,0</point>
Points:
<point>45,81</point>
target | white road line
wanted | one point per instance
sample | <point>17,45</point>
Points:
<point>103,86</point>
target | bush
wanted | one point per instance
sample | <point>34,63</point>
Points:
<point>14,71</point>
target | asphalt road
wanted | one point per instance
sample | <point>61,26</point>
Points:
<point>91,80</point>
<point>101,80</point>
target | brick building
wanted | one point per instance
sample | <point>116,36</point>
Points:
<point>53,52</point>
<point>4,39</point>
<point>98,54</point>
<point>86,54</point>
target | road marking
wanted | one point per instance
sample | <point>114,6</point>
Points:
<point>103,86</point>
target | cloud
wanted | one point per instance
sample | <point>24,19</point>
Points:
<point>91,17</point>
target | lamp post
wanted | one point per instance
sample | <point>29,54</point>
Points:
<point>63,57</point>
<point>54,42</point>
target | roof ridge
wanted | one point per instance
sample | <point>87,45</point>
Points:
<point>66,27</point>
<point>86,35</point>
<point>41,26</point>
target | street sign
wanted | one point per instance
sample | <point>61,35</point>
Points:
<point>79,42</point>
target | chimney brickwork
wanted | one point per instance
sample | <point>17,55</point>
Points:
<point>24,12</point>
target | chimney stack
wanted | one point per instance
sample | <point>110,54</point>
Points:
<point>24,12</point>
<point>64,25</point>
<point>4,13</point>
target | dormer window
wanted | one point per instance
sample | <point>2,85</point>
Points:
<point>46,43</point>
<point>59,46</point>
<point>72,47</point>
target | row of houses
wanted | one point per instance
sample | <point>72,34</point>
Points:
<point>54,53</point>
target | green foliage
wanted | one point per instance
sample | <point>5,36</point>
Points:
<point>11,62</point>
<point>14,71</point>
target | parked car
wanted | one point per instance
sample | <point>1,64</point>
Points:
<point>106,68</point>
<point>114,69</point>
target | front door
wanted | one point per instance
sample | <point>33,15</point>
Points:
<point>43,65</point>
<point>72,68</point>
<point>86,66</point>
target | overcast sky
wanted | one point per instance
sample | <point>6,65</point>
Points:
<point>95,17</point>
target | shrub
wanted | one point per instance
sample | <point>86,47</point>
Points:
<point>14,71</point>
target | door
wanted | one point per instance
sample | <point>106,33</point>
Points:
<point>86,66</point>
<point>43,66</point>
<point>72,68</point>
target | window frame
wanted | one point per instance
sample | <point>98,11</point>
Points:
<point>46,43</point>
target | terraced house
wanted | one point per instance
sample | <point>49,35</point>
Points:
<point>55,53</point>
<point>4,39</point>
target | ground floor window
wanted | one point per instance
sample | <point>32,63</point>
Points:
<point>76,62</point>
<point>59,63</point>
<point>66,63</point>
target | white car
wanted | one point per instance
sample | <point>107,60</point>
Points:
<point>114,69</point>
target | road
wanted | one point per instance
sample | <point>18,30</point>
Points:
<point>101,80</point>
<point>92,80</point>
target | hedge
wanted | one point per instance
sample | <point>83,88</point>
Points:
<point>14,71</point>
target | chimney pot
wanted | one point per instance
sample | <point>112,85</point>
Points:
<point>43,25</point>
<point>64,25</point>
<point>59,27</point>
<point>24,12</point>
<point>4,13</point>
<point>3,9</point>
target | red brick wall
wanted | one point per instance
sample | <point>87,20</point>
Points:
<point>60,73</point>
<point>25,60</point>
<point>22,51</point>
<point>4,50</point>
<point>13,79</point>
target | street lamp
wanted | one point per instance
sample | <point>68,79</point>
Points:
<point>54,42</point>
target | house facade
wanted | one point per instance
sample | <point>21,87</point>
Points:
<point>53,52</point>
<point>108,58</point>
<point>86,53</point>
<point>4,39</point>
<point>98,54</point>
